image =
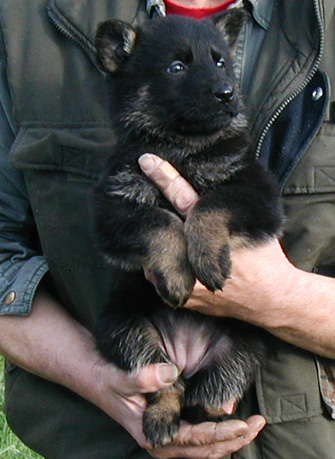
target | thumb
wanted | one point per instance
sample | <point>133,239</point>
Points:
<point>152,378</point>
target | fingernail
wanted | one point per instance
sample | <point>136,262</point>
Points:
<point>167,373</point>
<point>146,162</point>
<point>261,423</point>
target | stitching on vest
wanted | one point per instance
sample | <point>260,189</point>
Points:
<point>293,405</point>
<point>324,176</point>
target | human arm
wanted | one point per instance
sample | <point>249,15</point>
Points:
<point>294,305</point>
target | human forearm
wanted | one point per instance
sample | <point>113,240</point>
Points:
<point>49,343</point>
<point>52,345</point>
<point>308,320</point>
<point>267,290</point>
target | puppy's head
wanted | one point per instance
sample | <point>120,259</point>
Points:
<point>174,77</point>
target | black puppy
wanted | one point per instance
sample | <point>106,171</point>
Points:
<point>174,94</point>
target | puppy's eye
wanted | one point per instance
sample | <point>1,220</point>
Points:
<point>176,67</point>
<point>220,62</point>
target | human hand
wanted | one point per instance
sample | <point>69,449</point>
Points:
<point>174,187</point>
<point>247,292</point>
<point>211,440</point>
<point>121,396</point>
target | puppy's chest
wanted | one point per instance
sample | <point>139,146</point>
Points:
<point>205,171</point>
<point>208,169</point>
<point>208,174</point>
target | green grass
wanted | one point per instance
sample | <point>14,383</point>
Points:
<point>10,446</point>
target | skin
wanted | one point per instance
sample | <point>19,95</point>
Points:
<point>272,293</point>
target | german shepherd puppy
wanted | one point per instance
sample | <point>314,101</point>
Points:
<point>174,94</point>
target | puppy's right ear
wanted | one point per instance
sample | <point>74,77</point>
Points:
<point>230,23</point>
<point>114,41</point>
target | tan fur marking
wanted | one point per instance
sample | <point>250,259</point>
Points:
<point>214,226</point>
<point>211,226</point>
<point>164,410</point>
<point>167,257</point>
<point>166,245</point>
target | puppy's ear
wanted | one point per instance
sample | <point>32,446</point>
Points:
<point>230,24</point>
<point>114,41</point>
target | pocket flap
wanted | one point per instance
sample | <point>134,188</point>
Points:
<point>287,386</point>
<point>82,150</point>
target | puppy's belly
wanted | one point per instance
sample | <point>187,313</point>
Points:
<point>191,341</point>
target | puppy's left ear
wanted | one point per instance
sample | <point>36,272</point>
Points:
<point>114,41</point>
<point>230,24</point>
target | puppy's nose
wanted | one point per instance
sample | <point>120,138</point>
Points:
<point>224,93</point>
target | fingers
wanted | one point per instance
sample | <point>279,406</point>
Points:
<point>210,440</point>
<point>174,187</point>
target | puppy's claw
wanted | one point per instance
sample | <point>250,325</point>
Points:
<point>212,271</point>
<point>174,290</point>
<point>213,282</point>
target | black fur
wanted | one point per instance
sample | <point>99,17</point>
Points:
<point>174,94</point>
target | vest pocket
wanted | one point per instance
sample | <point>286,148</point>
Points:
<point>60,167</point>
<point>315,172</point>
<point>79,150</point>
<point>309,197</point>
<point>287,386</point>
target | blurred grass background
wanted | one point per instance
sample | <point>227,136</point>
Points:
<point>10,446</point>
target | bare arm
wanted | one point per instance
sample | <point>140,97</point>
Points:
<point>296,306</point>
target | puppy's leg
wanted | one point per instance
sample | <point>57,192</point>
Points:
<point>226,374</point>
<point>130,341</point>
<point>233,216</point>
<point>208,245</point>
<point>134,235</point>
<point>162,417</point>
<point>166,258</point>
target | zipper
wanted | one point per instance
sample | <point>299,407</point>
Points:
<point>303,85</point>
<point>72,34</point>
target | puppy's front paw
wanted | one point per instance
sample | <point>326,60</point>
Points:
<point>169,266</point>
<point>210,265</point>
<point>208,247</point>
<point>174,286</point>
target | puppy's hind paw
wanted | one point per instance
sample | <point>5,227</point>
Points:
<point>160,430</point>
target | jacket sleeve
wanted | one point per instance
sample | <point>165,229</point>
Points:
<point>21,265</point>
